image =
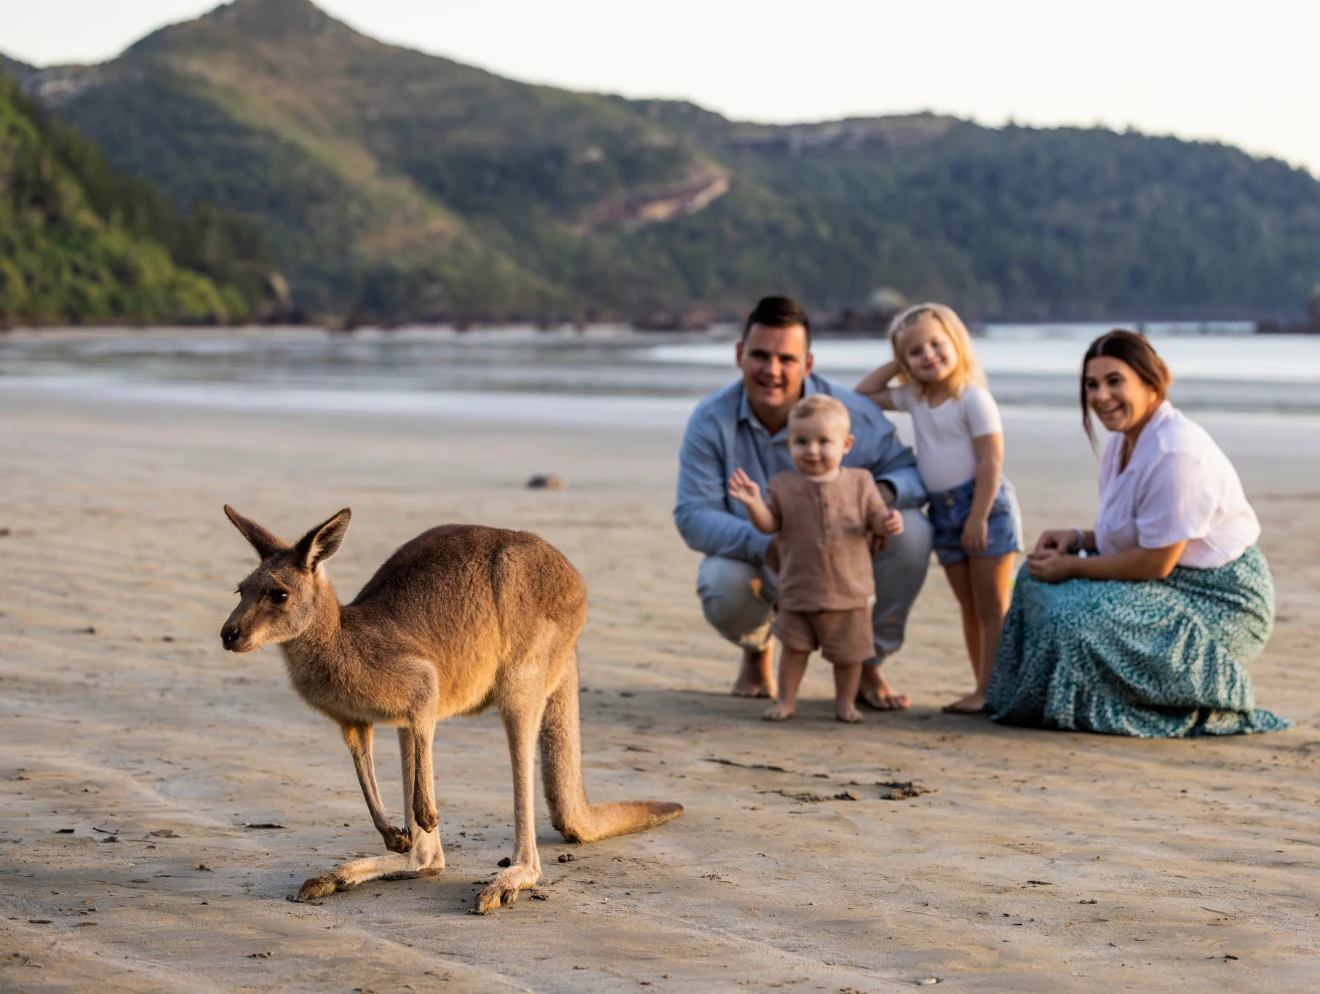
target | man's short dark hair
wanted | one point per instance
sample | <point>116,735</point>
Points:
<point>778,312</point>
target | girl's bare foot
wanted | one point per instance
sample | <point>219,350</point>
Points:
<point>973,703</point>
<point>849,715</point>
<point>779,711</point>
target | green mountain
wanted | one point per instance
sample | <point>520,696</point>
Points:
<point>81,242</point>
<point>403,186</point>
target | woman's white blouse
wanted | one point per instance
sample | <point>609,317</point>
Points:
<point>1177,486</point>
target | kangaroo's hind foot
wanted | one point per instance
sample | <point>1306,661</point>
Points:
<point>426,857</point>
<point>503,890</point>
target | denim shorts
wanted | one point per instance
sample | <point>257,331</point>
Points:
<point>950,509</point>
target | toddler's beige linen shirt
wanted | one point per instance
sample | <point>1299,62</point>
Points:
<point>824,539</point>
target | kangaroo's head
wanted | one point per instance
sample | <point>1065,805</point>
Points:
<point>277,600</point>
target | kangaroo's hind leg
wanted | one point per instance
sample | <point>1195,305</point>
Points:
<point>522,713</point>
<point>425,854</point>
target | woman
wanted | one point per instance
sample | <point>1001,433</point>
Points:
<point>1142,626</point>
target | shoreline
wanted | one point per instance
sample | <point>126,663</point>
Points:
<point>568,406</point>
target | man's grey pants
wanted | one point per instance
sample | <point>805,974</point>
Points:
<point>738,598</point>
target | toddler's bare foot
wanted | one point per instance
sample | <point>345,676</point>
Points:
<point>973,703</point>
<point>849,714</point>
<point>779,711</point>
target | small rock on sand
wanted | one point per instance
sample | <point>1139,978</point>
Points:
<point>546,481</point>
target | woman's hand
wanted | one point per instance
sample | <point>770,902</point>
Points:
<point>1060,539</point>
<point>1051,565</point>
<point>976,535</point>
<point>743,488</point>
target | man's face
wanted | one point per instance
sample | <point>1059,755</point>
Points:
<point>774,362</point>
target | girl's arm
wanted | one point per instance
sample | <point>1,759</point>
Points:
<point>875,384</point>
<point>1136,563</point>
<point>989,450</point>
<point>743,489</point>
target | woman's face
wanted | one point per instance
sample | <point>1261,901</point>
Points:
<point>1120,398</point>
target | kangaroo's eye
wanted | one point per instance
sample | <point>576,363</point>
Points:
<point>279,596</point>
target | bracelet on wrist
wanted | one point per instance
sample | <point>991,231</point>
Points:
<point>1080,545</point>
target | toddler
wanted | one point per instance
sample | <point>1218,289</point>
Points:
<point>823,517</point>
<point>960,452</point>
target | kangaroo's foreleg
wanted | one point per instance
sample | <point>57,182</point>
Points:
<point>358,738</point>
<point>420,799</point>
<point>522,723</point>
<point>426,849</point>
<point>425,856</point>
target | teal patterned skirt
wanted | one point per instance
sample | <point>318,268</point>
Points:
<point>1158,659</point>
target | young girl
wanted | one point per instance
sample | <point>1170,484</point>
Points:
<point>960,449</point>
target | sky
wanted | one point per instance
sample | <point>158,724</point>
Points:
<point>1239,73</point>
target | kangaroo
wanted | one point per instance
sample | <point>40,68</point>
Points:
<point>461,618</point>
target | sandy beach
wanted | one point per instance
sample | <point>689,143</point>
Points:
<point>139,762</point>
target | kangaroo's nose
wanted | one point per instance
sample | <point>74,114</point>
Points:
<point>229,635</point>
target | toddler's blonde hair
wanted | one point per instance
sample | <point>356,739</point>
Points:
<point>820,403</point>
<point>966,370</point>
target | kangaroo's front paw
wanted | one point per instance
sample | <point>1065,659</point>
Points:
<point>398,840</point>
<point>426,816</point>
<point>505,887</point>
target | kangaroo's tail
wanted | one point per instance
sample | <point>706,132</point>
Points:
<point>561,766</point>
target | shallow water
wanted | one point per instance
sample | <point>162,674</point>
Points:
<point>439,370</point>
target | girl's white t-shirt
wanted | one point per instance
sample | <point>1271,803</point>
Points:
<point>945,457</point>
<point>1177,486</point>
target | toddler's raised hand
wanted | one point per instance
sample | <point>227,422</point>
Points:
<point>743,488</point>
<point>894,522</point>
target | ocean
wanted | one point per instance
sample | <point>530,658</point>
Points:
<point>612,374</point>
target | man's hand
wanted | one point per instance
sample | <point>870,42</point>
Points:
<point>743,488</point>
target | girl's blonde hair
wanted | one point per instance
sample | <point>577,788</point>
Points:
<point>966,370</point>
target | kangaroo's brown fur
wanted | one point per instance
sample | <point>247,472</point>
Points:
<point>457,620</point>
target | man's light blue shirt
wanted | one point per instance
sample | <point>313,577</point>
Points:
<point>723,435</point>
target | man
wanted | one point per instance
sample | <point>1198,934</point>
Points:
<point>744,426</point>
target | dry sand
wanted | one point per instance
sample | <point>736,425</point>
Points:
<point>1037,862</point>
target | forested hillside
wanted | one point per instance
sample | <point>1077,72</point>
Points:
<point>81,241</point>
<point>396,185</point>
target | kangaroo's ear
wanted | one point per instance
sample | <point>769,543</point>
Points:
<point>322,542</point>
<point>263,541</point>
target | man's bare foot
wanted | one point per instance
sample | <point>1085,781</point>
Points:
<point>756,675</point>
<point>973,703</point>
<point>877,694</point>
<point>849,715</point>
<point>779,711</point>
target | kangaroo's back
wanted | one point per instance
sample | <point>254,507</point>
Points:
<point>457,582</point>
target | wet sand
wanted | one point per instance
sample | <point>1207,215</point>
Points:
<point>1034,862</point>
